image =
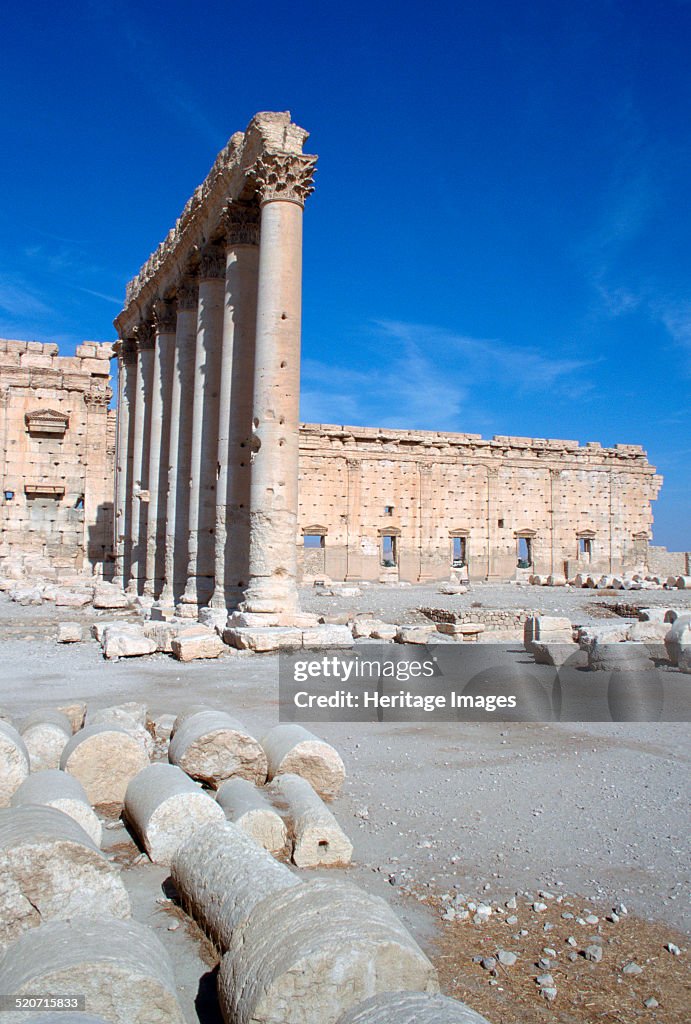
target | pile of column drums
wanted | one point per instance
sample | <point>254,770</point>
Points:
<point>225,812</point>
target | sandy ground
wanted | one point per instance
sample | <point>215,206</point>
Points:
<point>601,810</point>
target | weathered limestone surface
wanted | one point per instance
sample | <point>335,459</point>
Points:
<point>249,808</point>
<point>165,807</point>
<point>309,953</point>
<point>619,657</point>
<point>70,633</point>
<point>196,642</point>
<point>46,733</point>
<point>130,716</point>
<point>51,869</point>
<point>14,762</point>
<point>318,840</point>
<point>292,748</point>
<point>126,640</point>
<point>53,788</point>
<point>411,1008</point>
<point>678,638</point>
<point>222,874</point>
<point>104,758</point>
<point>212,746</point>
<point>57,440</point>
<point>120,966</point>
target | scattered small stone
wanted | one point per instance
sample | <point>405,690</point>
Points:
<point>547,927</point>
<point>511,904</point>
<point>593,953</point>
<point>548,951</point>
<point>545,979</point>
<point>651,1003</point>
<point>538,907</point>
<point>488,963</point>
<point>573,956</point>
<point>549,993</point>
<point>621,910</point>
<point>544,963</point>
<point>567,916</point>
<point>673,949</point>
<point>571,941</point>
<point>592,919</point>
<point>512,919</point>
<point>506,958</point>
<point>614,917</point>
<point>523,932</point>
<point>632,968</point>
<point>174,926</point>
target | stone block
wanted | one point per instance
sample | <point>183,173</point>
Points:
<point>46,733</point>
<point>558,654</point>
<point>249,809</point>
<point>411,1008</point>
<point>104,758</point>
<point>327,637</point>
<point>126,640</point>
<point>619,657</point>
<point>211,746</point>
<point>222,876</point>
<point>53,788</point>
<point>415,634</point>
<point>51,870</point>
<point>70,633</point>
<point>678,637</point>
<point>130,717</point>
<point>317,838</point>
<point>120,967</point>
<point>292,748</point>
<point>262,640</point>
<point>108,596</point>
<point>319,948</point>
<point>14,762</point>
<point>165,808</point>
<point>197,642</point>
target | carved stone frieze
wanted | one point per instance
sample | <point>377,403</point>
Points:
<point>241,223</point>
<point>164,316</point>
<point>212,264</point>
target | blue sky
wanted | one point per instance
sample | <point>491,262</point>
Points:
<point>499,241</point>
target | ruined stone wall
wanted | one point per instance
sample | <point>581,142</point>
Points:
<point>56,452</point>
<point>576,507</point>
<point>662,562</point>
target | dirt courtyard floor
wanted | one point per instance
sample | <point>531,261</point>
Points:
<point>594,815</point>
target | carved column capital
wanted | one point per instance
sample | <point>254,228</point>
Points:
<point>285,176</point>
<point>144,335</point>
<point>241,223</point>
<point>164,316</point>
<point>187,293</point>
<point>212,264</point>
<point>98,398</point>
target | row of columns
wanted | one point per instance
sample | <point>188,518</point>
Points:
<point>208,406</point>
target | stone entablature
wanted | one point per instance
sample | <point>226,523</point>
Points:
<point>56,452</point>
<point>499,508</point>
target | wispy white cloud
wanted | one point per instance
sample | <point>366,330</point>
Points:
<point>428,377</point>
<point>19,301</point>
<point>100,295</point>
<point>676,319</point>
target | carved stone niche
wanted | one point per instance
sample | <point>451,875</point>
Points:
<point>47,423</point>
<point>44,490</point>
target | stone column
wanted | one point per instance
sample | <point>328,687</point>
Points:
<point>204,439</point>
<point>164,354</point>
<point>284,181</point>
<point>177,502</point>
<point>123,458</point>
<point>140,447</point>
<point>353,545</point>
<point>235,406</point>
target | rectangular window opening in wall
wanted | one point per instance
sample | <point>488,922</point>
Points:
<point>388,510</point>
<point>313,540</point>
<point>585,549</point>
<point>388,551</point>
<point>500,524</point>
<point>525,553</point>
<point>459,553</point>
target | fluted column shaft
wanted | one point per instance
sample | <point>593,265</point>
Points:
<point>123,458</point>
<point>140,448</point>
<point>284,181</point>
<point>177,502</point>
<point>235,406</point>
<point>164,354</point>
<point>204,439</point>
